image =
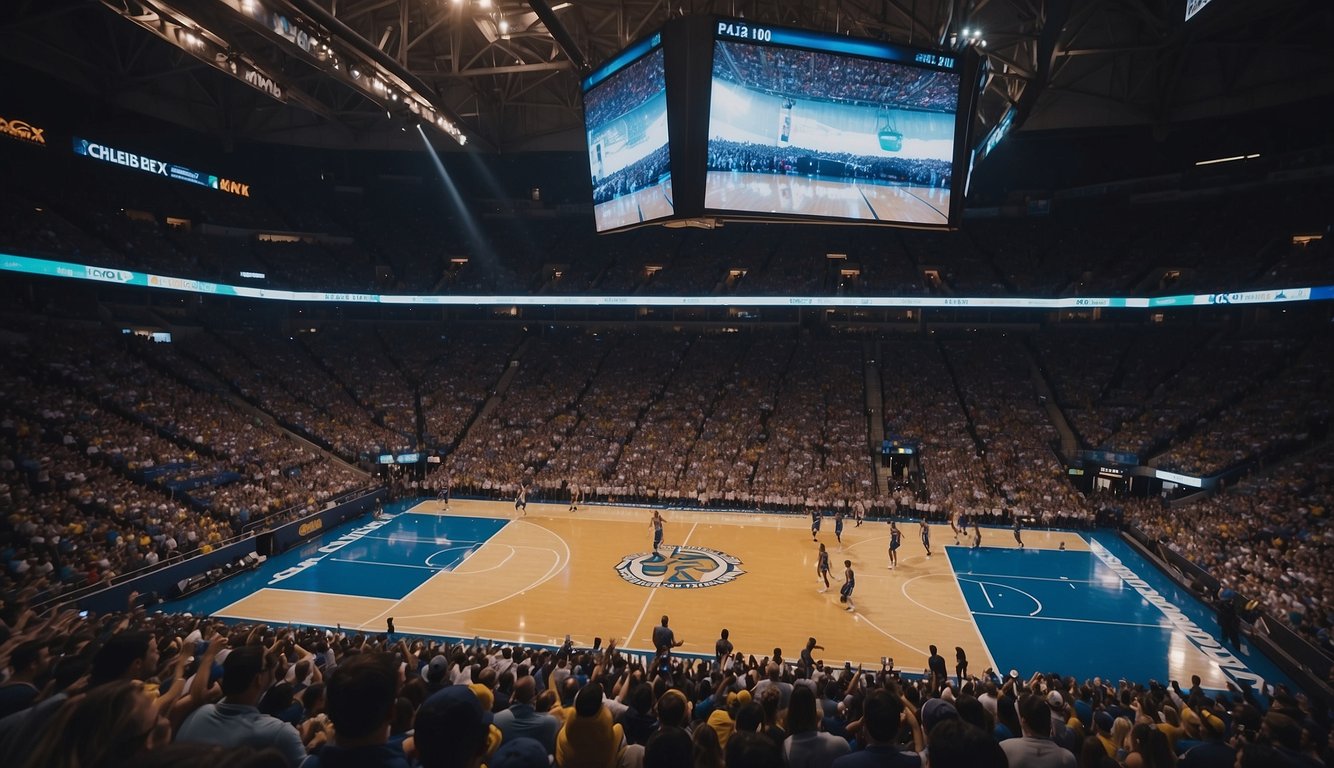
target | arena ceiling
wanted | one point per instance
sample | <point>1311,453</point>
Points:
<point>506,72</point>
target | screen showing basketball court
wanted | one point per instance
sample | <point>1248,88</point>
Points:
<point>816,126</point>
<point>625,115</point>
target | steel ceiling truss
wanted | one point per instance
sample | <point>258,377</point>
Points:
<point>496,67</point>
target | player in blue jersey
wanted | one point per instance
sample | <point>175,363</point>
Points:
<point>815,524</point>
<point>657,530</point>
<point>822,568</point>
<point>1017,538</point>
<point>838,527</point>
<point>849,584</point>
<point>895,540</point>
<point>926,537</point>
<point>977,535</point>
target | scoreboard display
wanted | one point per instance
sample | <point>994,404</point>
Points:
<point>820,126</point>
<point>625,118</point>
<point>713,119</point>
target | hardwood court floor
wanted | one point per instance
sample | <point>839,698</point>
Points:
<point>807,196</point>
<point>648,204</point>
<point>554,572</point>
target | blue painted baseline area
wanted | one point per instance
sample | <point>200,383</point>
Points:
<point>1106,613</point>
<point>385,558</point>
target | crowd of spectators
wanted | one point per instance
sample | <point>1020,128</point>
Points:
<point>829,77</point>
<point>139,689</point>
<point>1016,438</point>
<point>355,356</point>
<point>1284,410</point>
<point>1213,376</point>
<point>749,157</point>
<point>284,379</point>
<point>123,465</point>
<point>920,403</point>
<point>641,174</point>
<point>625,91</point>
<point>1267,539</point>
<point>710,420</point>
<point>741,420</point>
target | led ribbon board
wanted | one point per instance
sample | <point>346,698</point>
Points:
<point>35,266</point>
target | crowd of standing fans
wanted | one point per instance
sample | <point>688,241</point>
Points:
<point>138,689</point>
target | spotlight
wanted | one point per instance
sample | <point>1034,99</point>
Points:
<point>504,27</point>
<point>977,32</point>
<point>356,74</point>
<point>965,31</point>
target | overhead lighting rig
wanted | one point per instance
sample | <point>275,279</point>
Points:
<point>338,59</point>
<point>342,60</point>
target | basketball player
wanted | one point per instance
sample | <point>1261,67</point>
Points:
<point>574,497</point>
<point>657,530</point>
<point>849,584</point>
<point>953,519</point>
<point>926,537</point>
<point>838,527</point>
<point>895,539</point>
<point>521,500</point>
<point>977,535</point>
<point>443,495</point>
<point>815,524</point>
<point>1017,538</point>
<point>822,568</point>
<point>858,512</point>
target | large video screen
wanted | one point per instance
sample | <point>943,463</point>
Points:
<point>625,117</point>
<point>808,125</point>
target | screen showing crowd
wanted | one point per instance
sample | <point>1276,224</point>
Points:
<point>821,134</point>
<point>625,115</point>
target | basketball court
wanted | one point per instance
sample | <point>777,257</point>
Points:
<point>1081,604</point>
<point>648,204</point>
<point>815,196</point>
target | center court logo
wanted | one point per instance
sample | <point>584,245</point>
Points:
<point>683,568</point>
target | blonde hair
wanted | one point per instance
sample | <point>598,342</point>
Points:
<point>1121,733</point>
